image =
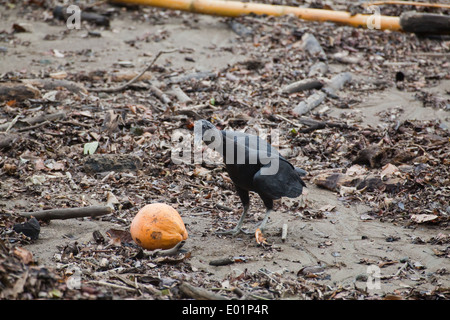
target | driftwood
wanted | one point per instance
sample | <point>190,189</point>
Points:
<point>336,83</point>
<point>68,213</point>
<point>307,84</point>
<point>199,293</point>
<point>313,47</point>
<point>425,24</point>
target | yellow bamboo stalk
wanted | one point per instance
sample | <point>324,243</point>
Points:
<point>237,8</point>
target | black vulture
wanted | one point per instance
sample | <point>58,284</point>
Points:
<point>253,165</point>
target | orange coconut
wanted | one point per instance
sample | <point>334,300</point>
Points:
<point>158,226</point>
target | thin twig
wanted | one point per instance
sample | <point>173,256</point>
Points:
<point>33,127</point>
<point>124,86</point>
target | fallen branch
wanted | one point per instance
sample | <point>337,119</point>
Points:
<point>68,213</point>
<point>336,83</point>
<point>136,78</point>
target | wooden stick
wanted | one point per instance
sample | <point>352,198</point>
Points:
<point>284,231</point>
<point>136,78</point>
<point>68,213</point>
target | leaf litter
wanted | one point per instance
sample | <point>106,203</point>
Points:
<point>397,167</point>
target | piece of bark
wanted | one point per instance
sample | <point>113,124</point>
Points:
<point>68,213</point>
<point>18,91</point>
<point>313,47</point>
<point>111,162</point>
<point>374,156</point>
<point>306,84</point>
<point>335,84</point>
<point>425,23</point>
<point>199,293</point>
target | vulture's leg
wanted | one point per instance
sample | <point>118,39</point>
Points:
<point>269,206</point>
<point>245,198</point>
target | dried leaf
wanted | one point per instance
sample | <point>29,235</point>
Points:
<point>260,237</point>
<point>24,255</point>
<point>421,218</point>
<point>90,147</point>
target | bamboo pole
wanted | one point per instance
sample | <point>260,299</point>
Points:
<point>237,8</point>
